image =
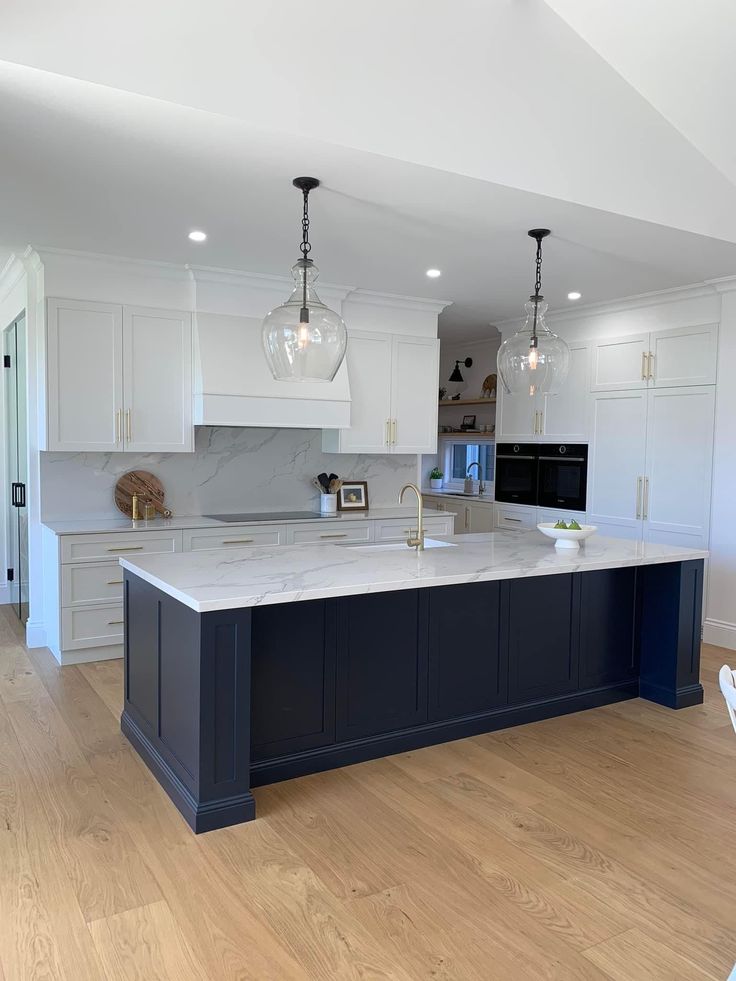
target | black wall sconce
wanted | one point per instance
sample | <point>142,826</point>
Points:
<point>456,376</point>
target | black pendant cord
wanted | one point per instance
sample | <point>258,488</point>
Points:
<point>538,234</point>
<point>305,248</point>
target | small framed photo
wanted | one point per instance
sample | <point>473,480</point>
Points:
<point>468,422</point>
<point>353,496</point>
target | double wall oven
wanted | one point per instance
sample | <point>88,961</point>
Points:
<point>546,475</point>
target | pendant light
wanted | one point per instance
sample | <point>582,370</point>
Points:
<point>535,360</point>
<point>303,339</point>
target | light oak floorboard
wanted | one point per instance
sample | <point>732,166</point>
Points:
<point>593,847</point>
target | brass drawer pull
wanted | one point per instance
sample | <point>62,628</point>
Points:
<point>114,582</point>
<point>506,518</point>
<point>237,541</point>
<point>341,535</point>
<point>112,623</point>
<point>127,548</point>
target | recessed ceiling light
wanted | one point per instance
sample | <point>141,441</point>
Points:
<point>574,295</point>
<point>433,273</point>
<point>197,236</point>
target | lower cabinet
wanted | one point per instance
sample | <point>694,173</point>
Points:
<point>467,673</point>
<point>381,662</point>
<point>608,627</point>
<point>543,637</point>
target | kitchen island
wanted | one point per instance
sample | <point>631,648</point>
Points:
<point>249,666</point>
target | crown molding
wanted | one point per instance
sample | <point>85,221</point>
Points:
<point>136,267</point>
<point>12,273</point>
<point>397,300</point>
<point>724,284</point>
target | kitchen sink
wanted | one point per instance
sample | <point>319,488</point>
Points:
<point>399,546</point>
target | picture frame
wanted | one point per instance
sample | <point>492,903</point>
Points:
<point>468,422</point>
<point>353,496</point>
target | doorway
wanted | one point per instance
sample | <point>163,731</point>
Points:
<point>16,462</point>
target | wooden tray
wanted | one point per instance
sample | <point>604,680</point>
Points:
<point>148,488</point>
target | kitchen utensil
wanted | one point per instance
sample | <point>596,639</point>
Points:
<point>324,481</point>
<point>146,486</point>
<point>567,538</point>
<point>335,485</point>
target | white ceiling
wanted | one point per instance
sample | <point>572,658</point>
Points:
<point>448,134</point>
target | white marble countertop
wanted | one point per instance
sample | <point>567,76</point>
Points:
<point>219,580</point>
<point>99,526</point>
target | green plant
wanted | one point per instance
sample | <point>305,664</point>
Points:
<point>436,474</point>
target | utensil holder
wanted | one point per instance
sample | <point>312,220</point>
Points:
<point>328,503</point>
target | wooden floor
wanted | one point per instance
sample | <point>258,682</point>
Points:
<point>601,845</point>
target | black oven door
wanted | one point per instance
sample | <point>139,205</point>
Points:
<point>516,473</point>
<point>563,477</point>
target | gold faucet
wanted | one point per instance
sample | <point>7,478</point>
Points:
<point>415,540</point>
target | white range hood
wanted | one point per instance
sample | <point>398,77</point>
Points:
<point>233,385</point>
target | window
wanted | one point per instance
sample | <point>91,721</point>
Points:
<point>459,455</point>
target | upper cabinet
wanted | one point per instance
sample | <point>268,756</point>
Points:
<point>119,379</point>
<point>662,359</point>
<point>393,387</point>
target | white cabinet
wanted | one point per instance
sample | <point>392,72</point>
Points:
<point>651,463</point>
<point>118,378</point>
<point>84,344</point>
<point>683,356</point>
<point>157,381</point>
<point>562,417</point>
<point>514,517</point>
<point>393,390</point>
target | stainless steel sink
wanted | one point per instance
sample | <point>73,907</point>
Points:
<point>401,546</point>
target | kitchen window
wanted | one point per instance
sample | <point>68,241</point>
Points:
<point>458,455</point>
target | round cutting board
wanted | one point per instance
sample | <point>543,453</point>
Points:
<point>148,488</point>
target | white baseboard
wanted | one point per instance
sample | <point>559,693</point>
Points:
<point>720,633</point>
<point>110,652</point>
<point>35,633</point>
<point>4,594</point>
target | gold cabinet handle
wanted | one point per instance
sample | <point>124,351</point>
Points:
<point>638,496</point>
<point>118,425</point>
<point>506,518</point>
<point>128,426</point>
<point>237,541</point>
<point>340,535</point>
<point>114,582</point>
<point>645,507</point>
<point>650,359</point>
<point>112,623</point>
<point>644,368</point>
<point>127,548</point>
<point>388,432</point>
<point>393,431</point>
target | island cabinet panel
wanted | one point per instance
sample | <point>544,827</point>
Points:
<point>293,677</point>
<point>381,663</point>
<point>141,651</point>
<point>607,627</point>
<point>467,668</point>
<point>543,636</point>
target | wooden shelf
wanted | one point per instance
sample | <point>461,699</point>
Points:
<point>479,437</point>
<point>467,402</point>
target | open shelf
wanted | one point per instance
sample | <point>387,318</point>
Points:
<point>467,402</point>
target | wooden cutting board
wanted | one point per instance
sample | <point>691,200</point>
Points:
<point>148,488</point>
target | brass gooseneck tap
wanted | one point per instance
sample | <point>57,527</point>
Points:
<point>415,539</point>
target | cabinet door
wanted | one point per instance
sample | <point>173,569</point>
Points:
<point>157,375</point>
<point>684,356</point>
<point>518,417</point>
<point>543,643</point>
<point>381,663</point>
<point>466,671</point>
<point>620,363</point>
<point>414,384</point>
<point>565,415</point>
<point>607,622</point>
<point>617,463</point>
<point>293,678</point>
<point>679,466</point>
<point>84,376</point>
<point>481,518</point>
<point>369,370</point>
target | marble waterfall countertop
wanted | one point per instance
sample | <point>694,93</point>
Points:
<point>220,580</point>
<point>99,526</point>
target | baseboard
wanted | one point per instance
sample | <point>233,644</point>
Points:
<point>35,633</point>
<point>5,596</point>
<point>110,652</point>
<point>720,633</point>
<point>200,817</point>
<point>682,698</point>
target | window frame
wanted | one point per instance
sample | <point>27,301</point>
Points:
<point>455,439</point>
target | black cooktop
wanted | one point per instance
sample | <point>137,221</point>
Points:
<point>243,519</point>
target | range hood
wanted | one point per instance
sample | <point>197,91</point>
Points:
<point>233,385</point>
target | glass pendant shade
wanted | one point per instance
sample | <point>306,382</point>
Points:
<point>535,360</point>
<point>303,339</point>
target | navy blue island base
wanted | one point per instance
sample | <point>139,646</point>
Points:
<point>217,703</point>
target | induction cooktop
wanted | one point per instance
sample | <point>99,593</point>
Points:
<point>243,519</point>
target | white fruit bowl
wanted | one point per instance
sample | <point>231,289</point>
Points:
<point>566,537</point>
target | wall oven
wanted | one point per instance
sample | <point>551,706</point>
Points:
<point>563,476</point>
<point>516,473</point>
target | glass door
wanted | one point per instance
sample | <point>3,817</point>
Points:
<point>16,442</point>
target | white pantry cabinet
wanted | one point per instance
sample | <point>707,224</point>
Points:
<point>683,356</point>
<point>118,378</point>
<point>393,389</point>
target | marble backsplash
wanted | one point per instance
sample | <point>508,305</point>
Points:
<point>230,470</point>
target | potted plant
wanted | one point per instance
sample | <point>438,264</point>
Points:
<point>435,479</point>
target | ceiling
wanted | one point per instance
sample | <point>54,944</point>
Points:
<point>440,148</point>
